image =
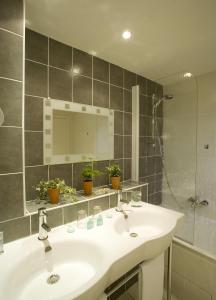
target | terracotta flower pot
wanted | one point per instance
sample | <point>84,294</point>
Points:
<point>115,182</point>
<point>87,186</point>
<point>54,195</point>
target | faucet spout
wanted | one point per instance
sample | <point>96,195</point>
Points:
<point>43,226</point>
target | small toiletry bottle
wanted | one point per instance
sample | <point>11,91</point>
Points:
<point>90,223</point>
<point>1,243</point>
<point>99,220</point>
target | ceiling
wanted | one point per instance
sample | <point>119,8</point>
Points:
<point>168,36</point>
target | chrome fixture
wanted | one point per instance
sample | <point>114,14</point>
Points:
<point>195,202</point>
<point>43,227</point>
<point>119,204</point>
<point>156,103</point>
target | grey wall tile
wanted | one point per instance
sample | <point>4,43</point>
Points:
<point>116,98</point>
<point>32,177</point>
<point>127,169</point>
<point>129,79</point>
<point>15,229</point>
<point>60,84</point>
<point>33,148</point>
<point>100,69</point>
<point>11,196</point>
<point>127,95</point>
<point>77,177</point>
<point>142,82</point>
<point>145,107</point>
<point>102,202</point>
<point>82,62</point>
<point>144,192</point>
<point>11,55</point>
<point>155,198</point>
<point>60,55</point>
<point>145,126</point>
<point>36,46</point>
<point>35,79</point>
<point>54,219</point>
<point>11,15</point>
<point>103,179</point>
<point>127,124</point>
<point>116,75</point>
<point>151,87</point>
<point>100,94</point>
<point>33,113</point>
<point>118,122</point>
<point>118,146</point>
<point>63,171</point>
<point>82,90</point>
<point>70,212</point>
<point>143,146</point>
<point>11,102</point>
<point>143,167</point>
<point>10,150</point>
<point>127,146</point>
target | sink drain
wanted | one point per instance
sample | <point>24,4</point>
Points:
<point>133,234</point>
<point>52,279</point>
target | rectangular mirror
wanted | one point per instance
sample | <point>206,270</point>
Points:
<point>77,133</point>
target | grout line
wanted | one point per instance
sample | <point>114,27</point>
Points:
<point>34,96</point>
<point>9,126</point>
<point>5,174</point>
<point>14,33</point>
<point>11,79</point>
<point>27,130</point>
<point>48,72</point>
<point>36,166</point>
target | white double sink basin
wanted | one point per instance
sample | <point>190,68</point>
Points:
<point>86,261</point>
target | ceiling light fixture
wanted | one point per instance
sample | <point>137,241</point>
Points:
<point>126,35</point>
<point>188,75</point>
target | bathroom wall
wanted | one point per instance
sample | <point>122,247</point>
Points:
<point>61,72</point>
<point>48,73</point>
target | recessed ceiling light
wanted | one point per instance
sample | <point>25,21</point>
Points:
<point>126,35</point>
<point>188,75</point>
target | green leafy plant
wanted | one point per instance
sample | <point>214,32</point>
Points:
<point>114,170</point>
<point>88,173</point>
<point>43,186</point>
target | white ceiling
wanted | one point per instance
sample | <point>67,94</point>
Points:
<point>168,36</point>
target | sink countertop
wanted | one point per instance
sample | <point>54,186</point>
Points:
<point>119,252</point>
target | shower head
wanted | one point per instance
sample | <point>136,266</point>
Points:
<point>166,97</point>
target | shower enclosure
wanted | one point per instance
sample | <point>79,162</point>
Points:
<point>188,147</point>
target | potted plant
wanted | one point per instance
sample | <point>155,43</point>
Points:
<point>115,173</point>
<point>88,173</point>
<point>52,189</point>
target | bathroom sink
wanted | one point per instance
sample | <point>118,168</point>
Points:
<point>63,273</point>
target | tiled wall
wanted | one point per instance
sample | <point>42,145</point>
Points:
<point>48,73</point>
<point>51,71</point>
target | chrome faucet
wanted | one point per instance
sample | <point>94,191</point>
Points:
<point>43,227</point>
<point>119,207</point>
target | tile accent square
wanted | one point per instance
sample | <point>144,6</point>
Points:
<point>100,94</point>
<point>116,75</point>
<point>82,62</point>
<point>100,69</point>
<point>11,102</point>
<point>33,176</point>
<point>11,52</point>
<point>116,98</point>
<point>15,229</point>
<point>11,15</point>
<point>60,84</point>
<point>33,148</point>
<point>61,171</point>
<point>35,79</point>
<point>36,46</point>
<point>82,90</point>
<point>60,55</point>
<point>11,195</point>
<point>10,150</point>
<point>33,113</point>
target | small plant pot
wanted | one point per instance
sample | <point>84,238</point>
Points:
<point>115,182</point>
<point>54,195</point>
<point>87,186</point>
